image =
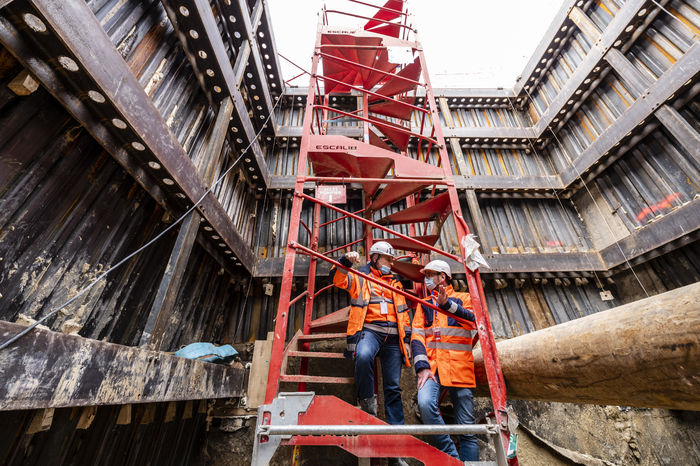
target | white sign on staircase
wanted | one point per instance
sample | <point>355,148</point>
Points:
<point>332,194</point>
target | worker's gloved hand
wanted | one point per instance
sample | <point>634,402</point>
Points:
<point>408,350</point>
<point>353,256</point>
<point>423,376</point>
<point>442,296</point>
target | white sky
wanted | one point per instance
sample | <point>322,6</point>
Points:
<point>467,43</point>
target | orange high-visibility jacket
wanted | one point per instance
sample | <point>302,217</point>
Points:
<point>361,298</point>
<point>444,345</point>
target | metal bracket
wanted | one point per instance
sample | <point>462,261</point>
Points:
<point>284,410</point>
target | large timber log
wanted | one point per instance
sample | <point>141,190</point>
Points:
<point>643,354</point>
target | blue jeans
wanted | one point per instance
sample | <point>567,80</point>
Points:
<point>463,401</point>
<point>387,346</point>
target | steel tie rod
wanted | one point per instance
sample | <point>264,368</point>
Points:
<point>468,429</point>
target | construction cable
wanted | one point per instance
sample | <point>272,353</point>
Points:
<point>247,293</point>
<point>540,164</point>
<point>675,17</point>
<point>629,265</point>
<point>578,175</point>
<point>160,235</point>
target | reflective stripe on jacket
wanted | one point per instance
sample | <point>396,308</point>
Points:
<point>360,297</point>
<point>443,344</point>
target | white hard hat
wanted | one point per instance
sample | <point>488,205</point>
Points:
<point>437,266</point>
<point>382,247</point>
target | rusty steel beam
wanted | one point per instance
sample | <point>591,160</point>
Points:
<point>242,34</point>
<point>48,369</point>
<point>678,76</point>
<point>644,354</point>
<point>502,265</point>
<point>199,36</point>
<point>672,231</point>
<point>547,42</point>
<point>590,67</point>
<point>64,46</point>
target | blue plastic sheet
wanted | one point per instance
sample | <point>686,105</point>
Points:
<point>208,352</point>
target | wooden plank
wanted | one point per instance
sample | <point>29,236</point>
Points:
<point>46,369</point>
<point>257,384</point>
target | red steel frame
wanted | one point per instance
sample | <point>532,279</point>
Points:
<point>491,361</point>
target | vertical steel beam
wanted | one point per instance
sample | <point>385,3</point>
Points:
<point>162,310</point>
<point>680,129</point>
<point>585,24</point>
<point>290,256</point>
<point>478,220</point>
<point>627,71</point>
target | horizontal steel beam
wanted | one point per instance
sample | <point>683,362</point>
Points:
<point>669,232</point>
<point>67,50</point>
<point>543,262</point>
<point>46,369</point>
<point>502,265</point>
<point>473,133</point>
<point>528,182</point>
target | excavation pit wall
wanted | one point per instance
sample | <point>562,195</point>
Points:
<point>557,434</point>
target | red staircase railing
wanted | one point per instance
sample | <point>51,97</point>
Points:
<point>357,61</point>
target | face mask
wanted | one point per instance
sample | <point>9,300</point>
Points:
<point>430,283</point>
<point>385,270</point>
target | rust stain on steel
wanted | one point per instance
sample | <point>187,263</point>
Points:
<point>141,56</point>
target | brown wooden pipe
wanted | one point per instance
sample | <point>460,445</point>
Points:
<point>643,354</point>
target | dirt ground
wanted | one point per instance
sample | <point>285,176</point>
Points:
<point>555,434</point>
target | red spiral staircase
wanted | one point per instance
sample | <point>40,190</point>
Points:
<point>360,62</point>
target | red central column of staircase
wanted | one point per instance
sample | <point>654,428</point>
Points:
<point>358,61</point>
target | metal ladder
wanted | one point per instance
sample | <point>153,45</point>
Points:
<point>356,62</point>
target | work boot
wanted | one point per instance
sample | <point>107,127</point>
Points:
<point>369,405</point>
<point>397,462</point>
